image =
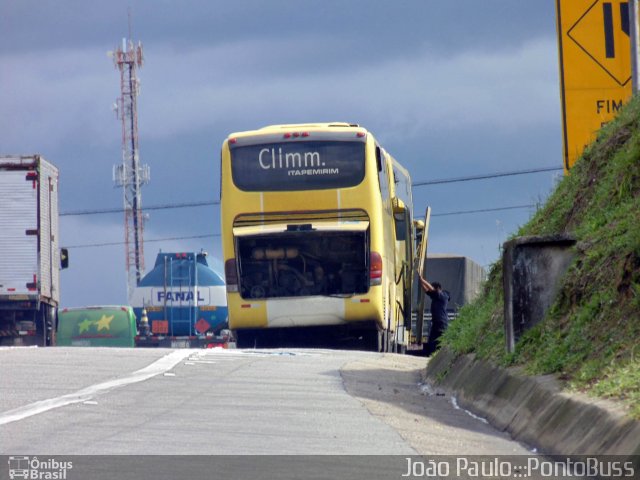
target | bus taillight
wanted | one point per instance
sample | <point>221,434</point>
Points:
<point>375,269</point>
<point>231,275</point>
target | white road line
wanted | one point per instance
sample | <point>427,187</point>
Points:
<point>454,402</point>
<point>162,365</point>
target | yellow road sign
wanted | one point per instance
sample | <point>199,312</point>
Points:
<point>595,68</point>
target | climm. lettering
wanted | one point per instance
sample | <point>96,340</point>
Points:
<point>269,159</point>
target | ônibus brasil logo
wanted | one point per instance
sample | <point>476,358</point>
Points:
<point>35,469</point>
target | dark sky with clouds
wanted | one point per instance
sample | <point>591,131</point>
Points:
<point>449,88</point>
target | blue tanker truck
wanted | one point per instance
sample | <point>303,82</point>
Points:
<point>181,303</point>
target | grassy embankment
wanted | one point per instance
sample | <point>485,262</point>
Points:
<point>590,338</point>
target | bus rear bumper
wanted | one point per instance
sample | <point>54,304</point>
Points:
<point>308,311</point>
<point>304,312</point>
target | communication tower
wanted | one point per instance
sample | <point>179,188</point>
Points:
<point>130,175</point>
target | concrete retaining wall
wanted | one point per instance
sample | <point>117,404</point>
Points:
<point>532,271</point>
<point>534,410</point>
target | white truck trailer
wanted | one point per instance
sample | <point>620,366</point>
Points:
<point>29,253</point>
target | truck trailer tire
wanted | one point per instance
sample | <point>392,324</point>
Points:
<point>51,325</point>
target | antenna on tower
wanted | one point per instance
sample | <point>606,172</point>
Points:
<point>130,175</point>
<point>129,22</point>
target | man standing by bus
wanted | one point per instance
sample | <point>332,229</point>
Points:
<point>439,318</point>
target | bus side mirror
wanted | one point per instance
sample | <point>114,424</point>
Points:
<point>64,258</point>
<point>418,225</point>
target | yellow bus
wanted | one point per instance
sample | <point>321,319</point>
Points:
<point>318,236</point>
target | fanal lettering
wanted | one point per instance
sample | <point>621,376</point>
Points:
<point>178,296</point>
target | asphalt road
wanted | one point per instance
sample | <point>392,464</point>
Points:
<point>99,401</point>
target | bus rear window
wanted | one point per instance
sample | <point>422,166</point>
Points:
<point>278,167</point>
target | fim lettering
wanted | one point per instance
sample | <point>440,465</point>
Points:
<point>608,106</point>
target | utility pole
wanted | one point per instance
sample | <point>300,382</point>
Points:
<point>634,34</point>
<point>130,175</point>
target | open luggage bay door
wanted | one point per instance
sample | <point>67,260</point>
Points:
<point>294,260</point>
<point>420,271</point>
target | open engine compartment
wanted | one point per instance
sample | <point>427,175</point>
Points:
<point>302,262</point>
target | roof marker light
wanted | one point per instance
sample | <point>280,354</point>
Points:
<point>305,134</point>
<point>287,135</point>
<point>233,140</point>
<point>360,134</point>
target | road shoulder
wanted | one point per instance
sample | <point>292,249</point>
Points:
<point>390,387</point>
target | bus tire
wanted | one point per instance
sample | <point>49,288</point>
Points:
<point>373,340</point>
<point>245,340</point>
